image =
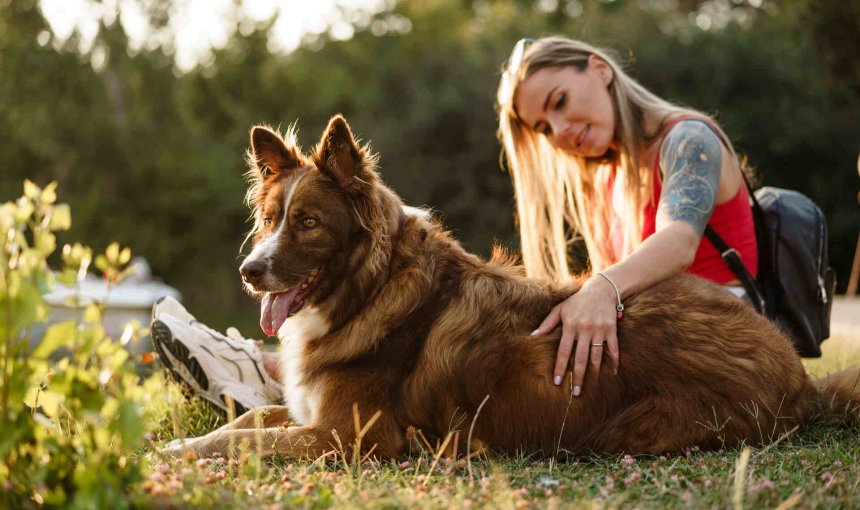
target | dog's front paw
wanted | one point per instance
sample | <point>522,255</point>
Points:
<point>177,448</point>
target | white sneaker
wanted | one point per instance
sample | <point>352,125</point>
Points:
<point>213,365</point>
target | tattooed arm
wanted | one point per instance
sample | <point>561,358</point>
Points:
<point>691,160</point>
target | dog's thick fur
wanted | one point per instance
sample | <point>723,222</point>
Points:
<point>407,323</point>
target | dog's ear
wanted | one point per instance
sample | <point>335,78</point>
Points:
<point>337,152</point>
<point>271,154</point>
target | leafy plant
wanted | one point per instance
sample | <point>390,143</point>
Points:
<point>71,401</point>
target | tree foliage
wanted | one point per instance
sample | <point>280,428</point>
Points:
<point>153,157</point>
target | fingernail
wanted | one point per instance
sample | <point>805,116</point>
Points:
<point>576,391</point>
<point>535,332</point>
<point>557,380</point>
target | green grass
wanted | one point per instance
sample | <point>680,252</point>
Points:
<point>816,467</point>
<point>840,351</point>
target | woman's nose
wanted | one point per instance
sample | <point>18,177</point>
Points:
<point>560,127</point>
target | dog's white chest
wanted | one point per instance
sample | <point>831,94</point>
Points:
<point>302,399</point>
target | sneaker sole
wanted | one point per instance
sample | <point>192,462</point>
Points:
<point>162,337</point>
<point>168,348</point>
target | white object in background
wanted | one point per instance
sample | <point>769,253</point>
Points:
<point>127,301</point>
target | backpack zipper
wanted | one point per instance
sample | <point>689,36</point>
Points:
<point>821,235</point>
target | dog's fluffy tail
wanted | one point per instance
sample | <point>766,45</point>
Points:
<point>840,396</point>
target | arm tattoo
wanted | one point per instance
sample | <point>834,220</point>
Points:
<point>691,158</point>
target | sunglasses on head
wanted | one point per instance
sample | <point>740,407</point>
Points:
<point>515,61</point>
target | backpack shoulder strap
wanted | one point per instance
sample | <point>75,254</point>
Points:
<point>733,259</point>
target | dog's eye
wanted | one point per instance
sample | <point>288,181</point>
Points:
<point>267,221</point>
<point>310,223</point>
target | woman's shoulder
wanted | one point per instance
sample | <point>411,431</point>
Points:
<point>690,127</point>
<point>689,135</point>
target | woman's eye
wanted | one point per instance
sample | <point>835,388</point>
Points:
<point>310,223</point>
<point>560,101</point>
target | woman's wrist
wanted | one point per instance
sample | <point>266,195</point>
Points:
<point>599,281</point>
<point>619,306</point>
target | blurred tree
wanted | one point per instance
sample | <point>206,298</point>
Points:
<point>835,26</point>
<point>152,157</point>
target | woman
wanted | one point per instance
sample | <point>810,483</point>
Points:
<point>597,157</point>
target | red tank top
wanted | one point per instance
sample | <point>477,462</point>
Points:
<point>732,220</point>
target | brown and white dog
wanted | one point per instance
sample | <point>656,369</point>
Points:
<point>376,305</point>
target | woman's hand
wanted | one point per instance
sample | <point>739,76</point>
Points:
<point>589,317</point>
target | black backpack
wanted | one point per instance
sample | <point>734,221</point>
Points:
<point>795,282</point>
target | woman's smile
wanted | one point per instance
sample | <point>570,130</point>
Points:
<point>583,136</point>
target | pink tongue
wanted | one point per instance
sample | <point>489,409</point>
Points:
<point>275,309</point>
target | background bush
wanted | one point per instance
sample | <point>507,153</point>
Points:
<point>71,402</point>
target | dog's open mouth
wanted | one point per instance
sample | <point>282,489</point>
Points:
<point>277,307</point>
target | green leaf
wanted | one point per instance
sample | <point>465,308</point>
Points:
<point>90,336</point>
<point>31,191</point>
<point>93,314</point>
<point>24,210</point>
<point>67,276</point>
<point>112,253</point>
<point>124,256</point>
<point>28,306</point>
<point>7,217</point>
<point>45,243</point>
<point>49,401</point>
<point>102,263</point>
<point>77,257</point>
<point>57,335</point>
<point>101,436</point>
<point>45,281</point>
<point>49,194</point>
<point>131,423</point>
<point>61,217</point>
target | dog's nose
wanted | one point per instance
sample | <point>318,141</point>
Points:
<point>252,270</point>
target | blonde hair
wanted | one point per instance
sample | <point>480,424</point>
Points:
<point>557,194</point>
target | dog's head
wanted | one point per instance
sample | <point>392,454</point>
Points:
<point>319,219</point>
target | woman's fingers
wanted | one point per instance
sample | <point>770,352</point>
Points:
<point>565,347</point>
<point>612,347</point>
<point>580,362</point>
<point>597,349</point>
<point>550,322</point>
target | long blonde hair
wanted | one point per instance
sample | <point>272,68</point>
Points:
<point>557,193</point>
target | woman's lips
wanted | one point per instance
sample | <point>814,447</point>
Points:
<point>583,136</point>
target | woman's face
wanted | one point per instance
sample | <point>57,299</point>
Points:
<point>571,108</point>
